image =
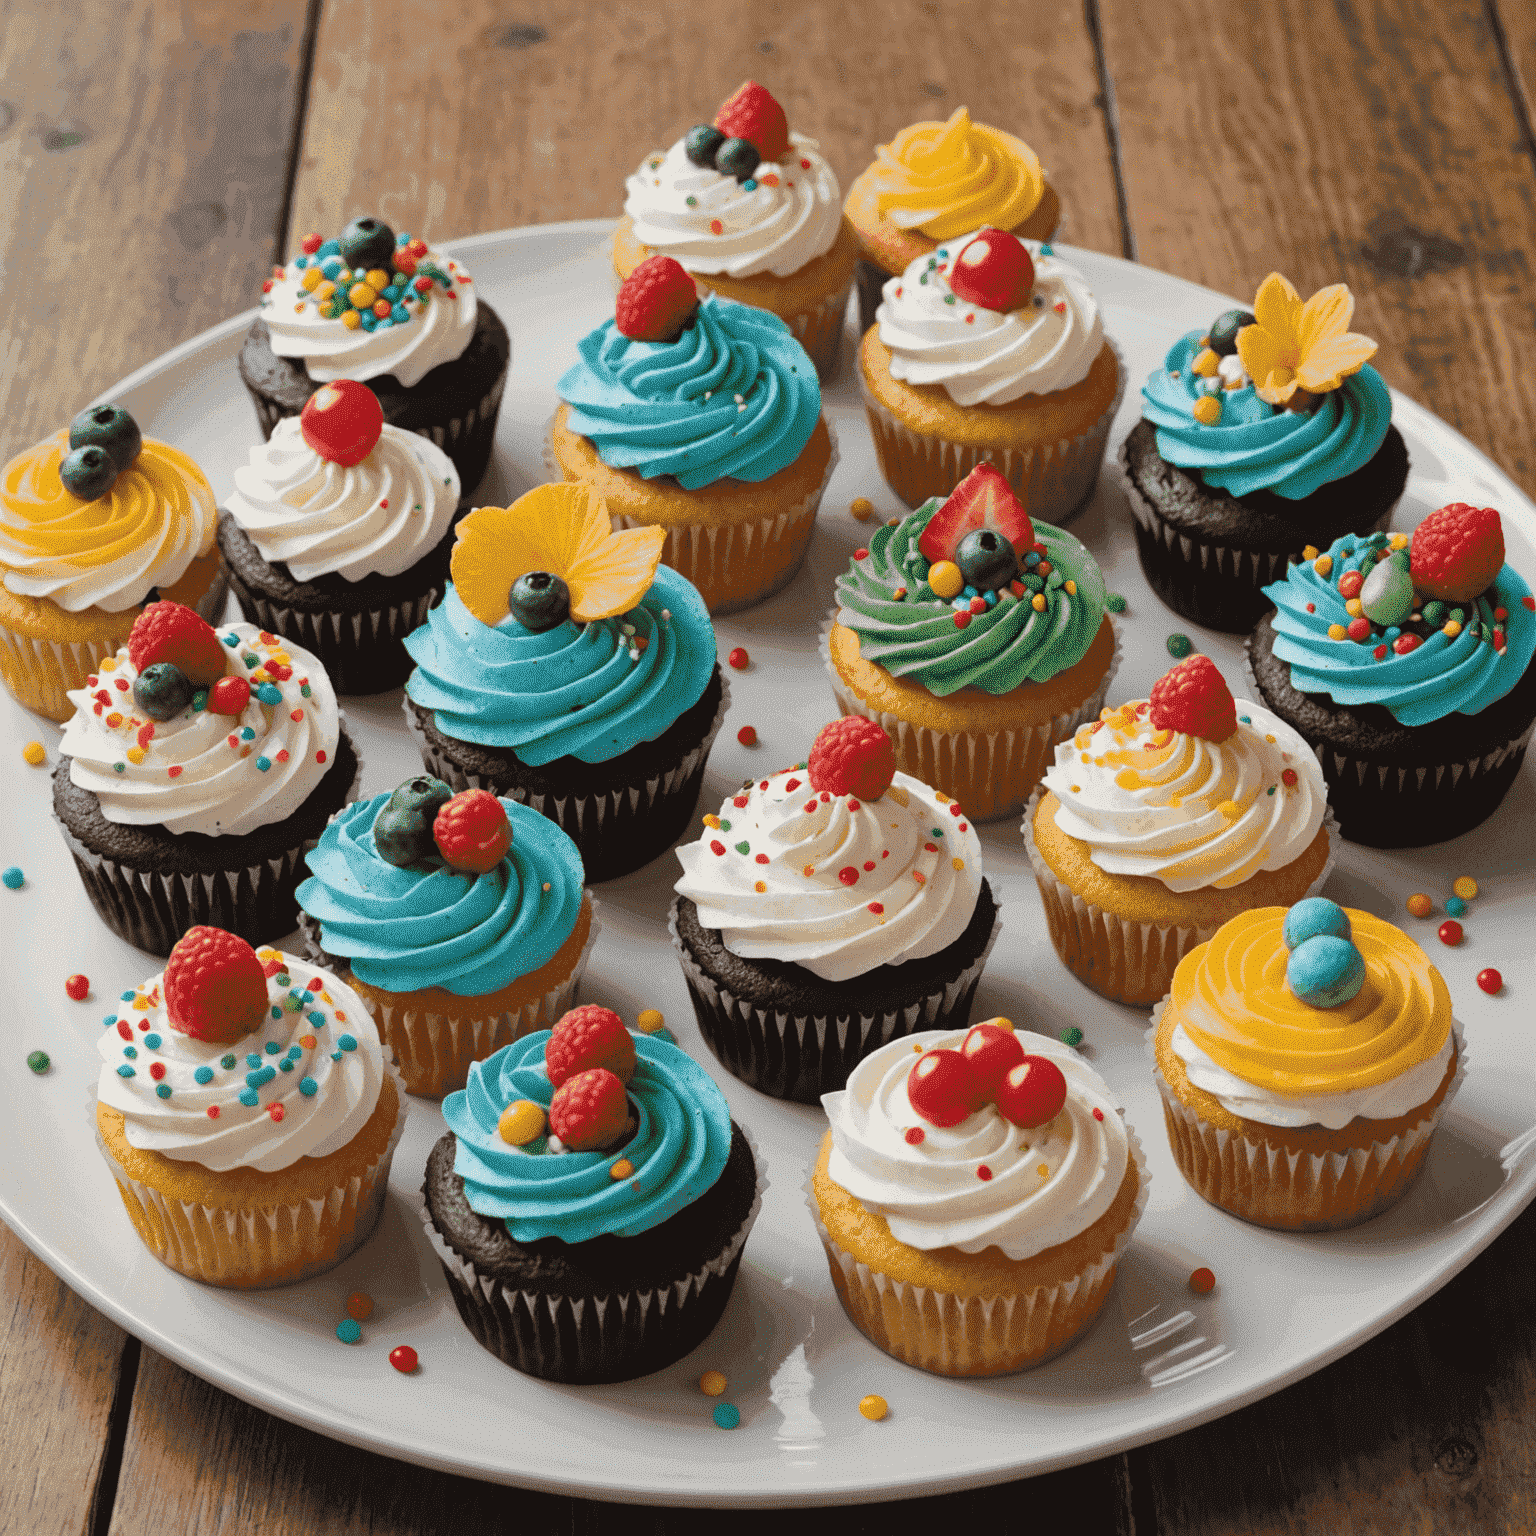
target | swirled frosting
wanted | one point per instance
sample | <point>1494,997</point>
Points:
<point>678,1151</point>
<point>109,553</point>
<point>432,926</point>
<point>905,627</point>
<point>712,224</point>
<point>1042,1186</point>
<point>1257,447</point>
<point>945,178</point>
<point>831,883</point>
<point>376,517</point>
<point>407,350</point>
<point>221,775</point>
<point>734,397</point>
<point>589,691</point>
<point>302,1085</point>
<point>983,356</point>
<point>1189,812</point>
<point>1461,673</point>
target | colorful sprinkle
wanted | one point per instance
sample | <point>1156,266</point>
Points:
<point>34,753</point>
<point>621,1169</point>
<point>1490,981</point>
<point>360,1306</point>
<point>1072,1036</point>
<point>862,508</point>
<point>39,1063</point>
<point>739,658</point>
<point>747,736</point>
<point>1419,905</point>
<point>1202,1281</point>
<point>713,1383</point>
<point>403,1358</point>
<point>1179,645</point>
<point>1455,907</point>
<point>1465,887</point>
<point>349,1330</point>
<point>873,1407</point>
<point>650,1020</point>
<point>1450,932</point>
<point>727,1415</point>
<point>916,1135</point>
<point>78,987</point>
<point>12,878</point>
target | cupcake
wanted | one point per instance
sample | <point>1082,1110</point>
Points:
<point>1267,433</point>
<point>195,771</point>
<point>590,1201</point>
<point>1407,670</point>
<point>565,669</point>
<point>96,522</point>
<point>977,638</point>
<point>827,910</point>
<point>460,921</point>
<point>394,313</point>
<point>974,1195</point>
<point>990,350</point>
<point>702,419</point>
<point>248,1120</point>
<point>754,212</point>
<point>1304,1056</point>
<point>934,181</point>
<point>1165,818</point>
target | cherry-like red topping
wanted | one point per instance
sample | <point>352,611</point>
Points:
<point>991,1051</point>
<point>342,421</point>
<point>993,270</point>
<point>1032,1092</point>
<point>229,696</point>
<point>942,1089</point>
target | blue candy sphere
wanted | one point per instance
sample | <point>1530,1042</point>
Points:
<point>1455,907</point>
<point>1314,917</point>
<point>1325,971</point>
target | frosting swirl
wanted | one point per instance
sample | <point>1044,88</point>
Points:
<point>1045,1186</point>
<point>982,356</point>
<point>588,691</point>
<point>302,1085</point>
<point>711,224</point>
<point>1256,447</point>
<point>679,1149</point>
<point>221,775</point>
<point>109,553</point>
<point>734,396</point>
<point>906,628</point>
<point>377,517</point>
<point>431,926</point>
<point>831,883</point>
<point>1189,812</point>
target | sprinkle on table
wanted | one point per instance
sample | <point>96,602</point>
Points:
<point>1114,602</point>
<point>78,987</point>
<point>1490,981</point>
<point>38,1061</point>
<point>713,1383</point>
<point>1450,932</point>
<point>1179,645</point>
<point>862,508</point>
<point>873,1407</point>
<point>747,736</point>
<point>727,1415</point>
<point>1465,887</point>
<point>739,658</point>
<point>1072,1036</point>
<point>1202,1282</point>
<point>360,1306</point>
<point>34,753</point>
<point>13,879</point>
<point>404,1359</point>
<point>1419,905</point>
<point>650,1020</point>
<point>349,1330</point>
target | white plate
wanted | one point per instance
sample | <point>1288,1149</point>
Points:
<point>1159,1360</point>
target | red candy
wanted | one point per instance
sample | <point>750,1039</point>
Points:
<point>752,114</point>
<point>1032,1092</point>
<point>747,736</point>
<point>403,1358</point>
<point>342,421</point>
<point>984,499</point>
<point>1193,699</point>
<point>1450,932</point>
<point>852,756</point>
<point>1457,552</point>
<point>167,631</point>
<point>942,1088</point>
<point>655,301</point>
<point>1202,1282</point>
<point>1405,643</point>
<point>589,1111</point>
<point>77,986</point>
<point>739,658</point>
<point>1490,981</point>
<point>1359,628</point>
<point>993,270</point>
<point>472,831</point>
<point>215,987</point>
<point>229,696</point>
<point>1350,583</point>
<point>586,1038</point>
<point>991,1053</point>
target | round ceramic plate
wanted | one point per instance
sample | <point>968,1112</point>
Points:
<point>1160,1359</point>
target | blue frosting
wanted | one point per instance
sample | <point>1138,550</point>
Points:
<point>735,396</point>
<point>679,1150</point>
<point>573,690</point>
<point>1256,447</point>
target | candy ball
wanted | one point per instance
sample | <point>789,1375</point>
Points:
<point>1316,915</point>
<point>1325,971</point>
<point>1490,981</point>
<point>1222,337</point>
<point>162,691</point>
<point>109,427</point>
<point>701,144</point>
<point>1450,932</point>
<point>229,696</point>
<point>1465,887</point>
<point>1419,905</point>
<point>1455,907</point>
<point>946,579</point>
<point>539,601</point>
<point>993,270</point>
<point>88,472</point>
<point>342,421</point>
<point>366,242</point>
<point>1386,595</point>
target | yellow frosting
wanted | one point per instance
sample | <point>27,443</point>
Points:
<point>1231,997</point>
<point>950,178</point>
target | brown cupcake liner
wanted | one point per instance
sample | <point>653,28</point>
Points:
<point>820,330</point>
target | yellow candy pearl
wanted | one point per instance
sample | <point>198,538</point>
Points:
<point>377,278</point>
<point>652,1019</point>
<point>1465,886</point>
<point>34,754</point>
<point>312,279</point>
<point>351,319</point>
<point>324,291</point>
<point>1207,410</point>
<point>1205,364</point>
<point>362,295</point>
<point>1451,629</point>
<point>1323,565</point>
<point>873,1407</point>
<point>520,1122</point>
<point>945,579</point>
<point>713,1383</point>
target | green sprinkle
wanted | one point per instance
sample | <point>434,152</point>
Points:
<point>725,826</point>
<point>1270,790</point>
<point>118,767</point>
<point>1115,602</point>
<point>1072,1036</point>
<point>949,298</point>
<point>743,847</point>
<point>38,1062</point>
<point>1179,645</point>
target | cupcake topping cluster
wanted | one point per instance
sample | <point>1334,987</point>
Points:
<point>947,1086</point>
<point>992,270</point>
<point>103,442</point>
<point>1324,966</point>
<point>424,821</point>
<point>749,131</point>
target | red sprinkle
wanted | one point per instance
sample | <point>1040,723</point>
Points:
<point>848,875</point>
<point>962,619</point>
<point>1202,1282</point>
<point>124,1030</point>
<point>1490,981</point>
<point>77,986</point>
<point>861,553</point>
<point>1359,628</point>
<point>403,1358</point>
<point>738,658</point>
<point>1380,653</point>
<point>916,1136</point>
<point>1529,602</point>
<point>174,770</point>
<point>869,864</point>
<point>276,1111</point>
<point>1098,1114</point>
<point>213,1111</point>
<point>978,605</point>
<point>1405,643</point>
<point>319,757</point>
<point>876,908</point>
<point>747,736</point>
<point>121,684</point>
<point>983,1172</point>
<point>1311,607</point>
<point>809,806</point>
<point>762,858</point>
<point>954,808</point>
<point>157,1070</point>
<point>717,848</point>
<point>739,801</point>
<point>1288,777</point>
<point>791,785</point>
<point>1450,932</point>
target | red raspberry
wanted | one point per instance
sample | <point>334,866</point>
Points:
<point>589,1037</point>
<point>590,1111</point>
<point>215,987</point>
<point>752,114</point>
<point>852,756</point>
<point>1457,552</point>
<point>472,831</point>
<point>656,301</point>
<point>167,631</point>
<point>1193,699</point>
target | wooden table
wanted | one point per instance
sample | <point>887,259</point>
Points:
<point>156,159</point>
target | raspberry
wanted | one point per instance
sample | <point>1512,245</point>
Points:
<point>215,987</point>
<point>586,1038</point>
<point>1193,699</point>
<point>852,756</point>
<point>1457,552</point>
<point>167,631</point>
<point>472,831</point>
<point>655,301</point>
<point>752,114</point>
<point>590,1111</point>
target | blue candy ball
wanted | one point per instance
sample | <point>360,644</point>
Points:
<point>1314,917</point>
<point>1455,907</point>
<point>1325,971</point>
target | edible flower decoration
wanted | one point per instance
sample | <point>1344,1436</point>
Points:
<point>550,556</point>
<point>1294,351</point>
<point>945,1086</point>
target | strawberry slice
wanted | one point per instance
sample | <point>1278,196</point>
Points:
<point>752,114</point>
<point>982,500</point>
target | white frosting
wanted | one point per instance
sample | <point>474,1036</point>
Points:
<point>199,771</point>
<point>287,1122</point>
<point>316,517</point>
<point>931,1193</point>
<point>980,356</point>
<point>915,892</point>
<point>790,218</point>
<point>438,333</point>
<point>1149,802</point>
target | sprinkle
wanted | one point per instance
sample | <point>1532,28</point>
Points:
<point>1179,645</point>
<point>308,1087</point>
<point>873,1407</point>
<point>360,1306</point>
<point>962,619</point>
<point>861,553</point>
<point>1072,1036</point>
<point>1323,565</point>
<point>34,753</point>
<point>713,1383</point>
<point>1465,887</point>
<point>1098,1114</point>
<point>739,658</point>
<point>716,847</point>
<point>404,1359</point>
<point>13,879</point>
<point>1419,905</point>
<point>1044,1170</point>
<point>349,1330</point>
<point>1450,933</point>
<point>121,1071</point>
<point>727,1415</point>
<point>650,1020</point>
<point>37,1061</point>
<point>877,908</point>
<point>162,1090</point>
<point>747,736</point>
<point>1490,981</point>
<point>915,1135</point>
<point>862,508</point>
<point>621,1169</point>
<point>1202,1282</point>
<point>958,863</point>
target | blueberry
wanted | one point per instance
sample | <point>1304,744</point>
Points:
<point>1222,336</point>
<point>737,157</point>
<point>162,691</point>
<point>402,836</point>
<point>109,427</point>
<point>701,144</point>
<point>539,601</point>
<point>367,243</point>
<point>987,560</point>
<point>423,794</point>
<point>88,472</point>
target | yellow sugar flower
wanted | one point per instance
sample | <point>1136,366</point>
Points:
<point>562,529</point>
<point>1295,346</point>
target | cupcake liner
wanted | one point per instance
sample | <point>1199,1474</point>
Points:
<point>991,773</point>
<point>1295,1191</point>
<point>820,330</point>
<point>954,1335</point>
<point>1123,960</point>
<point>434,1050</point>
<point>802,1056</point>
<point>869,278</point>
<point>594,1338</point>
